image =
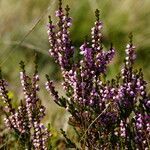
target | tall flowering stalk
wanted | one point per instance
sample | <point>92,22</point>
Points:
<point>25,121</point>
<point>107,114</point>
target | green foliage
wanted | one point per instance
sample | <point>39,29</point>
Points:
<point>69,144</point>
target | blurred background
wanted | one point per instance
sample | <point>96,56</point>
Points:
<point>23,31</point>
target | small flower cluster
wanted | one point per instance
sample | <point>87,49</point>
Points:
<point>25,121</point>
<point>61,47</point>
<point>108,114</point>
<point>40,136</point>
<point>142,127</point>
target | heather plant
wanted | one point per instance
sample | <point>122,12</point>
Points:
<point>106,114</point>
<point>27,23</point>
<point>25,121</point>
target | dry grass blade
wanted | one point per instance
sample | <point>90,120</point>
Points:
<point>27,34</point>
<point>94,121</point>
<point>28,45</point>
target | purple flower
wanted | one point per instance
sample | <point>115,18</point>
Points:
<point>101,110</point>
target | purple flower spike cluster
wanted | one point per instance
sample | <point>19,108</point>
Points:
<point>61,47</point>
<point>25,121</point>
<point>107,114</point>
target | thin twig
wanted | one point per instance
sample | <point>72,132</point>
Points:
<point>94,121</point>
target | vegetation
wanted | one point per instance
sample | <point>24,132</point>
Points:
<point>107,107</point>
